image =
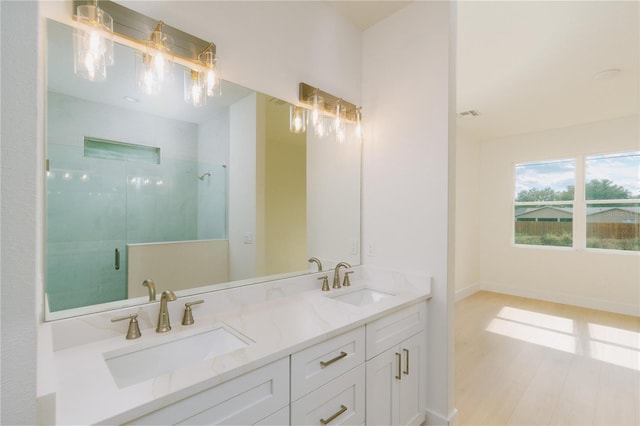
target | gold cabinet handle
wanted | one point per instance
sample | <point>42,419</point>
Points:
<point>399,362</point>
<point>332,418</point>
<point>324,364</point>
<point>406,352</point>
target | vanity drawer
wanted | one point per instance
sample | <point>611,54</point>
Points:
<point>394,328</point>
<point>321,363</point>
<point>244,400</point>
<point>340,401</point>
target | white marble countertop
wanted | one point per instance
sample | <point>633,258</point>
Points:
<point>86,393</point>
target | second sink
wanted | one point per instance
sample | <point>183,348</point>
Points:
<point>135,365</point>
<point>362,297</point>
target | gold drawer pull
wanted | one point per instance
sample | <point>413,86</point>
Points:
<point>324,364</point>
<point>406,371</point>
<point>399,362</point>
<point>332,418</point>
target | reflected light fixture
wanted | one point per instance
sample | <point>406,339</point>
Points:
<point>92,42</point>
<point>194,90</point>
<point>211,77</point>
<point>155,66</point>
<point>297,119</point>
<point>204,80</point>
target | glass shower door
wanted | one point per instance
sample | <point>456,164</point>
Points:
<point>86,229</point>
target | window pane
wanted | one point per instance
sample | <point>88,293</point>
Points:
<point>545,181</point>
<point>613,226</point>
<point>544,225</point>
<point>121,151</point>
<point>613,176</point>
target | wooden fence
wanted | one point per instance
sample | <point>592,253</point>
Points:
<point>618,231</point>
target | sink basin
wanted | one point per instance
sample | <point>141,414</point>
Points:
<point>135,365</point>
<point>362,297</point>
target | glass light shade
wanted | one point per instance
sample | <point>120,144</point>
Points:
<point>358,129</point>
<point>297,119</point>
<point>92,43</point>
<point>194,88</point>
<point>321,128</point>
<point>211,77</point>
<point>340,122</point>
<point>317,110</point>
<point>155,65</point>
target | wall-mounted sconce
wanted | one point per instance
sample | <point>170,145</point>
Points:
<point>97,28</point>
<point>92,42</point>
<point>323,106</point>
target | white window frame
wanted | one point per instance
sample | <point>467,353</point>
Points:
<point>579,204</point>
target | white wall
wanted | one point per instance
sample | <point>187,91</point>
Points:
<point>242,188</point>
<point>22,240</point>
<point>407,104</point>
<point>468,200</point>
<point>599,279</point>
<point>333,214</point>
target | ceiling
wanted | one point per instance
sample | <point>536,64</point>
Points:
<point>528,66</point>
<point>363,13</point>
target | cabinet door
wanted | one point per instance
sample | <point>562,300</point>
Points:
<point>413,385</point>
<point>382,388</point>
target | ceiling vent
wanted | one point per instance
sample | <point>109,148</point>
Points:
<point>469,113</point>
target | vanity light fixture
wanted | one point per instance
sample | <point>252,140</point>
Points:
<point>322,104</point>
<point>97,28</point>
<point>92,42</point>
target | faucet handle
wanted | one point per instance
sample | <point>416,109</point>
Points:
<point>325,282</point>
<point>187,319</point>
<point>346,282</point>
<point>134,329</point>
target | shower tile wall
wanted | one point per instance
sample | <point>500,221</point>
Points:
<point>96,205</point>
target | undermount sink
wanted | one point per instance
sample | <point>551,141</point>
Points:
<point>134,365</point>
<point>362,297</point>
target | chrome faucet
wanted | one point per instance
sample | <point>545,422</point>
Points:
<point>163,317</point>
<point>336,274</point>
<point>317,262</point>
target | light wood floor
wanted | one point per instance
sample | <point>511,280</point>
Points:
<point>526,362</point>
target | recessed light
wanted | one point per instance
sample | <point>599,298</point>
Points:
<point>131,99</point>
<point>606,74</point>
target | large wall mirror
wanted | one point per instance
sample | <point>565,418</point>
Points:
<point>143,187</point>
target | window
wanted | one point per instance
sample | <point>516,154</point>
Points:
<point>604,214</point>
<point>612,191</point>
<point>544,194</point>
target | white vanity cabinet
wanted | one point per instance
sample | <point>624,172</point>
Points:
<point>396,368</point>
<point>258,397</point>
<point>328,381</point>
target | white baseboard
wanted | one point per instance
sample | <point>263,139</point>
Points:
<point>467,291</point>
<point>435,419</point>
<point>567,299</point>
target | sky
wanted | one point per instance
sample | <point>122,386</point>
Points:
<point>621,169</point>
